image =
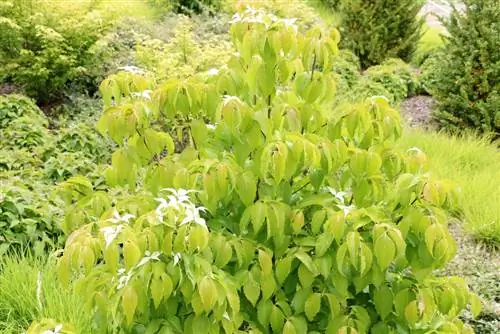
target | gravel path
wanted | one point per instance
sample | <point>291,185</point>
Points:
<point>417,112</point>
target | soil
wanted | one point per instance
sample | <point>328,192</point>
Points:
<point>417,111</point>
<point>479,265</point>
<point>6,89</point>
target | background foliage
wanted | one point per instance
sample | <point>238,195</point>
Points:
<point>376,30</point>
<point>467,81</point>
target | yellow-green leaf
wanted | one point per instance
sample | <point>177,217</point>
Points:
<point>129,302</point>
<point>208,293</point>
<point>131,254</point>
<point>313,305</point>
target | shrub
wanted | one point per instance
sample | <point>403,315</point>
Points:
<point>376,30</point>
<point>184,54</point>
<point>347,65</point>
<point>46,53</point>
<point>25,132</point>
<point>367,88</point>
<point>467,85</point>
<point>311,220</point>
<point>63,165</point>
<point>27,220</point>
<point>15,106</point>
<point>17,160</point>
<point>187,6</point>
<point>84,139</point>
<point>396,76</point>
<point>429,77</point>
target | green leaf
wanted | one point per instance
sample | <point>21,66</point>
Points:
<point>283,267</point>
<point>168,286</point>
<point>156,286</point>
<point>307,261</point>
<point>264,312</point>
<point>277,319</point>
<point>208,293</point>
<point>289,328</point>
<point>251,289</point>
<point>412,312</point>
<point>383,299</point>
<point>129,303</point>
<point>268,286</point>
<point>323,242</point>
<point>385,251</point>
<point>246,186</point>
<point>259,213</point>
<point>131,254</point>
<point>306,278</point>
<point>475,304</point>
<point>312,306</point>
<point>266,262</point>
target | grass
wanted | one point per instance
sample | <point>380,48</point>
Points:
<point>474,163</point>
<point>429,43</point>
<point>20,304</point>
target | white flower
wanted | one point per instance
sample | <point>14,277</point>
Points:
<point>124,278</point>
<point>145,94</point>
<point>117,218</point>
<point>180,194</point>
<point>213,71</point>
<point>148,257</point>
<point>56,330</point>
<point>193,215</point>
<point>177,258</point>
<point>339,195</point>
<point>164,204</point>
<point>210,126</point>
<point>110,233</point>
<point>346,208</point>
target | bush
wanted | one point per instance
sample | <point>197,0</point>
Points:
<point>83,139</point>
<point>185,53</point>
<point>429,71</point>
<point>187,6</point>
<point>27,220</point>
<point>467,86</point>
<point>347,65</point>
<point>16,106</point>
<point>396,76</point>
<point>62,166</point>
<point>24,132</point>
<point>44,52</point>
<point>296,219</point>
<point>380,29</point>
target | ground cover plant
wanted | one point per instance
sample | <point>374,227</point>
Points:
<point>294,219</point>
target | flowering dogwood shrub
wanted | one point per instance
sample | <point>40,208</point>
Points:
<point>298,219</point>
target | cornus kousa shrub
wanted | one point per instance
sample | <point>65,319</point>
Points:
<point>278,216</point>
